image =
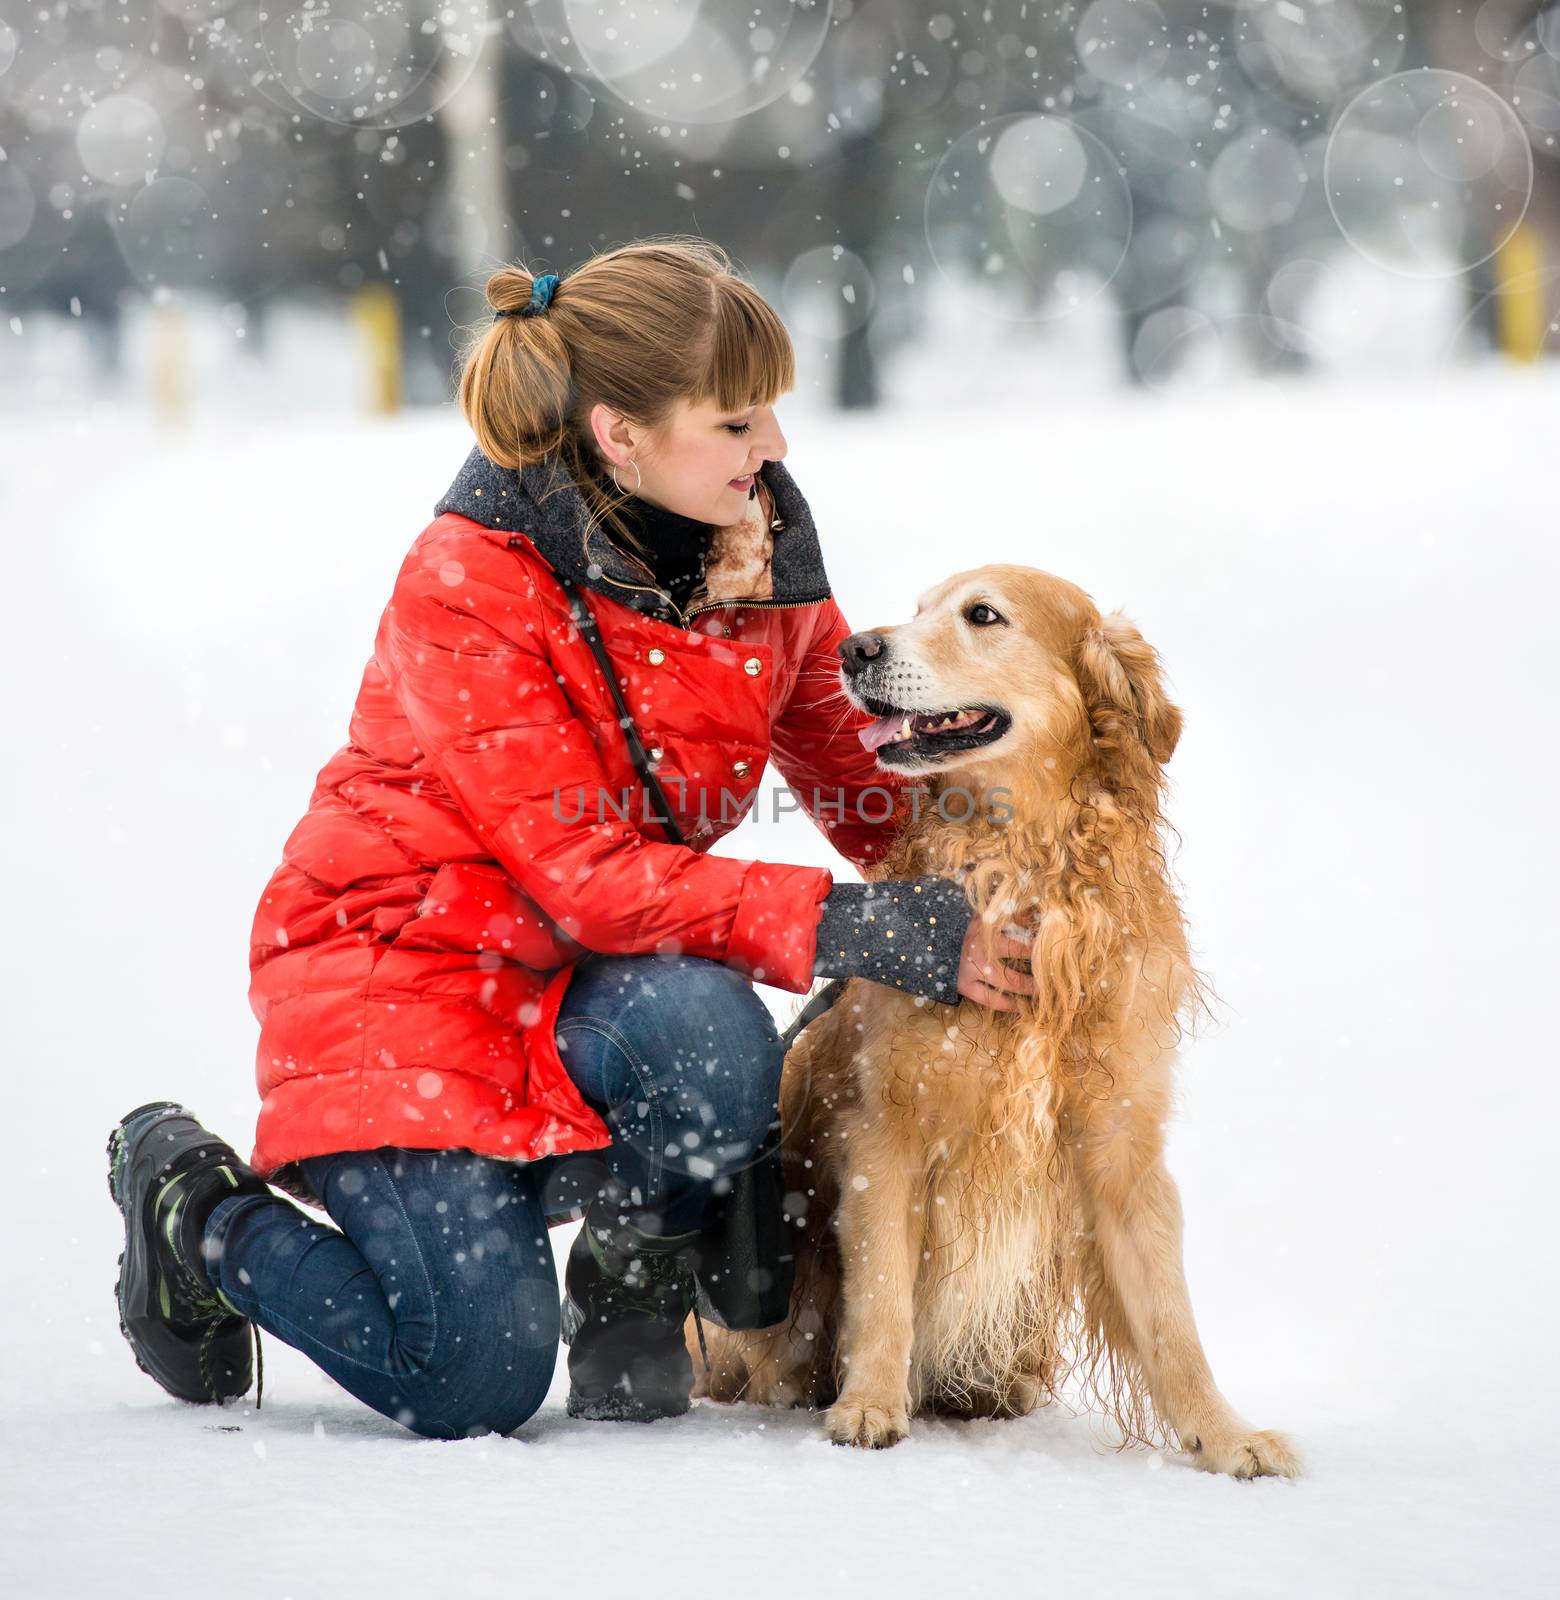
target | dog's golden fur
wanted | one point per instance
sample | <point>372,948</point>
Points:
<point>983,1215</point>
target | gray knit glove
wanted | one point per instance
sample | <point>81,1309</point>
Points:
<point>905,932</point>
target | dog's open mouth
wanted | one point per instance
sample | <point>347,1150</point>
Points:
<point>897,733</point>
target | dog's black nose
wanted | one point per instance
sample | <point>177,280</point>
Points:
<point>860,649</point>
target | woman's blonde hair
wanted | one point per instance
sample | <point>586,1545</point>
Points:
<point>637,328</point>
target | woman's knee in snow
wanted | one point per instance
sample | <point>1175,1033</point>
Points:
<point>486,1373</point>
<point>435,1416</point>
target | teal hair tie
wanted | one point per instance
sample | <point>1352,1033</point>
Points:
<point>541,297</point>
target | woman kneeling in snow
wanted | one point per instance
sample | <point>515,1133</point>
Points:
<point>500,981</point>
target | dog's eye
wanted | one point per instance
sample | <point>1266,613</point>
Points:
<point>982,615</point>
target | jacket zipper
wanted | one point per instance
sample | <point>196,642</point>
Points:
<point>767,605</point>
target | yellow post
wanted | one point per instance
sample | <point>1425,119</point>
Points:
<point>378,315</point>
<point>170,365</point>
<point>1521,294</point>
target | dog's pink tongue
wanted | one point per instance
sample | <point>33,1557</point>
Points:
<point>881,731</point>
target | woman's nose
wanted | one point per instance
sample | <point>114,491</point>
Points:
<point>775,445</point>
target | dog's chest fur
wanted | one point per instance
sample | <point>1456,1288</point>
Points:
<point>997,1207</point>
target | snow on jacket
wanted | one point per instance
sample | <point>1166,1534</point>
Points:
<point>466,846</point>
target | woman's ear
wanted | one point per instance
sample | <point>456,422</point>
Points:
<point>1118,670</point>
<point>614,434</point>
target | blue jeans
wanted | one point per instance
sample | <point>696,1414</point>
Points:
<point>436,1302</point>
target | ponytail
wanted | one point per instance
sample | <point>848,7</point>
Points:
<point>637,328</point>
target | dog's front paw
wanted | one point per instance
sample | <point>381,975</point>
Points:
<point>872,1424</point>
<point>1248,1455</point>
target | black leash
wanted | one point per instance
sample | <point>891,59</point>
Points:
<point>585,621</point>
<point>815,1008</point>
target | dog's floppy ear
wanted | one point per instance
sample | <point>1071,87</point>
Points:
<point>1118,670</point>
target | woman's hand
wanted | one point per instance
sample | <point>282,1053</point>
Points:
<point>995,984</point>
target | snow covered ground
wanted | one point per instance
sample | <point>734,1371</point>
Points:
<point>1354,590</point>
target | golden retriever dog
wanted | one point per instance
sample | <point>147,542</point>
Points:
<point>982,1211</point>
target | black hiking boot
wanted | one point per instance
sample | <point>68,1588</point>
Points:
<point>628,1295</point>
<point>165,1173</point>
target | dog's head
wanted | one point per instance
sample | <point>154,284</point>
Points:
<point>1006,663</point>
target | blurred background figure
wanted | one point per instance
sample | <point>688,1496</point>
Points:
<point>224,203</point>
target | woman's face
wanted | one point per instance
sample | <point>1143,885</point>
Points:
<point>699,463</point>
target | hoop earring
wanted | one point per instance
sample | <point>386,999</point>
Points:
<point>638,478</point>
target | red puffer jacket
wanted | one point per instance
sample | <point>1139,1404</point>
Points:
<point>467,845</point>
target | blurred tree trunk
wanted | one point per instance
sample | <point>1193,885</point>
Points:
<point>475,168</point>
<point>859,195</point>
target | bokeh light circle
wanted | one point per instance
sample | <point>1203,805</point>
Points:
<point>1039,166</point>
<point>1257,182</point>
<point>1171,236</point>
<point>1329,315</point>
<point>164,233</point>
<point>8,47</point>
<point>1172,342</point>
<point>1498,29</point>
<point>196,14</point>
<point>223,227</point>
<point>699,61</point>
<point>1032,208</point>
<point>1459,138</point>
<point>828,292</point>
<point>542,29</point>
<point>120,139</point>
<point>1122,42</point>
<point>1428,173</point>
<point>1547,29</point>
<point>1535,95</point>
<point>1292,293</point>
<point>1314,51</point>
<point>1182,347</point>
<point>1167,252</point>
<point>373,63</point>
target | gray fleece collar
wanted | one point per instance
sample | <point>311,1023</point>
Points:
<point>542,502</point>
